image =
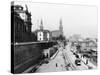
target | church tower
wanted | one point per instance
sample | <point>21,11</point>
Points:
<point>61,27</point>
<point>41,25</point>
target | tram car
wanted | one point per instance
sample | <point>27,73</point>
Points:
<point>78,62</point>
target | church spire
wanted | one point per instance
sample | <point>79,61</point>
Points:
<point>61,27</point>
<point>41,25</point>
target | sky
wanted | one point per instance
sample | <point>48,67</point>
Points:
<point>76,19</point>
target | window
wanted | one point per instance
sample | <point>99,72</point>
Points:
<point>48,36</point>
<point>40,36</point>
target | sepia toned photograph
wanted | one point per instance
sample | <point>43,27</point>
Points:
<point>49,37</point>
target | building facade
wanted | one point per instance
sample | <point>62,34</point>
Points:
<point>42,34</point>
<point>21,24</point>
<point>57,33</point>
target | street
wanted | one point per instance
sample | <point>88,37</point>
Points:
<point>63,60</point>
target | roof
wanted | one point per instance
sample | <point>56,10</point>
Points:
<point>41,30</point>
<point>56,33</point>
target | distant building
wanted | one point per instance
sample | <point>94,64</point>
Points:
<point>43,35</point>
<point>57,33</point>
<point>88,45</point>
<point>61,28</point>
<point>76,38</point>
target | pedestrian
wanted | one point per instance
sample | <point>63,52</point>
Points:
<point>56,65</point>
<point>87,61</point>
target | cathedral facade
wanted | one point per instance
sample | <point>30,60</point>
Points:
<point>58,33</point>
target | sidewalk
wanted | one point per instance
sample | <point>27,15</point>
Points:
<point>55,64</point>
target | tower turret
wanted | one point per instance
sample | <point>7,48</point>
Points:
<point>41,25</point>
<point>61,27</point>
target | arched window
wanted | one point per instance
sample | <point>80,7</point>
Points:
<point>40,36</point>
<point>48,36</point>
